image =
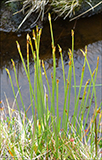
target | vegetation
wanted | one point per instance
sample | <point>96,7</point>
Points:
<point>46,135</point>
<point>65,8</point>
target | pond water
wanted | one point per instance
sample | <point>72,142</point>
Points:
<point>88,31</point>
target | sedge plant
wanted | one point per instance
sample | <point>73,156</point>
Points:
<point>46,135</point>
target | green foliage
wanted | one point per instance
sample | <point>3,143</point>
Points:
<point>43,136</point>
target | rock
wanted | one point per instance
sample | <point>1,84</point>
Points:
<point>10,22</point>
<point>85,6</point>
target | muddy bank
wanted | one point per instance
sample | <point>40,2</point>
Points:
<point>10,22</point>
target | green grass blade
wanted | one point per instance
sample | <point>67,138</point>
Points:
<point>13,91</point>
<point>77,102</point>
<point>73,65</point>
<point>18,86</point>
<point>60,50</point>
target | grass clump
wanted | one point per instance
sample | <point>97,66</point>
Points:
<point>30,6</point>
<point>45,135</point>
<point>63,8</point>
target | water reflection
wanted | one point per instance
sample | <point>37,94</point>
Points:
<point>87,32</point>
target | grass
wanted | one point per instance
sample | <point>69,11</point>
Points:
<point>30,6</point>
<point>63,8</point>
<point>46,135</point>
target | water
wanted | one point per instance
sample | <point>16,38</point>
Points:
<point>87,32</point>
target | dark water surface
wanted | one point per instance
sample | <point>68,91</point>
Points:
<point>88,31</point>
